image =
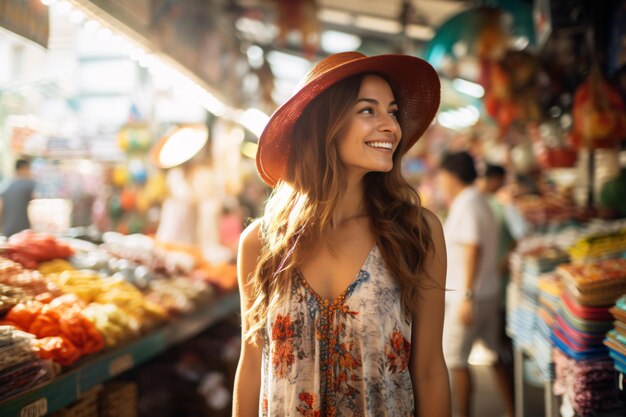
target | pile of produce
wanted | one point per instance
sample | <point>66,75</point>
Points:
<point>30,248</point>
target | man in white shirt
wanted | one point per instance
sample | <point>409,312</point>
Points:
<point>472,303</point>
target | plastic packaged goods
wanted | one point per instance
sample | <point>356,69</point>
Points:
<point>16,349</point>
<point>9,297</point>
<point>113,323</point>
<point>31,283</point>
<point>179,295</point>
<point>22,378</point>
<point>20,368</point>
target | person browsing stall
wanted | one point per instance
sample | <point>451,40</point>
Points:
<point>342,281</point>
<point>14,200</point>
<point>473,302</point>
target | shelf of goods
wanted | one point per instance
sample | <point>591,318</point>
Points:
<point>82,377</point>
<point>558,301</point>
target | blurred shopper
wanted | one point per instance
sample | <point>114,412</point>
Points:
<point>15,199</point>
<point>511,224</point>
<point>472,305</point>
<point>342,281</point>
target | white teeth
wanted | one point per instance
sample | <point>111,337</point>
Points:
<point>384,145</point>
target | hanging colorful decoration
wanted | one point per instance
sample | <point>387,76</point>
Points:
<point>135,189</point>
<point>599,113</point>
<point>482,32</point>
<point>299,16</point>
<point>511,88</point>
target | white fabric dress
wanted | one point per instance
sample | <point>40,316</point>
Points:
<point>345,357</point>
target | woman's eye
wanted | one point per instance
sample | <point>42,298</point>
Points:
<point>367,110</point>
<point>394,113</point>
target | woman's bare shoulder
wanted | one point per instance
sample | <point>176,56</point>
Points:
<point>251,243</point>
<point>438,248</point>
<point>434,224</point>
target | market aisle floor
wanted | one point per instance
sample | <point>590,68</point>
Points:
<point>487,400</point>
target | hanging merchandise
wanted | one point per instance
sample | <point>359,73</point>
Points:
<point>120,175</point>
<point>300,16</point>
<point>599,113</point>
<point>134,137</point>
<point>136,190</point>
<point>553,148</point>
<point>479,32</point>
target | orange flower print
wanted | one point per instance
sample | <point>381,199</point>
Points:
<point>282,357</point>
<point>307,405</point>
<point>283,328</point>
<point>398,352</point>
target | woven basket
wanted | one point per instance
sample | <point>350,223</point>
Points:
<point>86,406</point>
<point>119,399</point>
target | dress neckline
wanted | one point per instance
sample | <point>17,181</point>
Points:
<point>340,299</point>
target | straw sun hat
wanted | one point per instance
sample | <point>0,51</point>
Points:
<point>414,82</point>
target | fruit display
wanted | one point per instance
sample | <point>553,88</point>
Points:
<point>72,298</point>
<point>31,283</point>
<point>30,248</point>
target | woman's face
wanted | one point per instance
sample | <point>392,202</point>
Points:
<point>372,133</point>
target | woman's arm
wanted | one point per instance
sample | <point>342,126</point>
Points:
<point>429,374</point>
<point>248,377</point>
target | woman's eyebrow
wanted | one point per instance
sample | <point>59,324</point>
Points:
<point>374,101</point>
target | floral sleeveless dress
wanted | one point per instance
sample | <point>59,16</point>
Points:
<point>345,357</point>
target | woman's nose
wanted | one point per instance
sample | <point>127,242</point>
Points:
<point>389,123</point>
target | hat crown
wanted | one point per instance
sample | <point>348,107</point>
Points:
<point>328,64</point>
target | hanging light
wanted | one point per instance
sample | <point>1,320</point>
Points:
<point>179,146</point>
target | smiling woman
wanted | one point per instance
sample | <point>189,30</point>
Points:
<point>342,280</point>
<point>372,131</point>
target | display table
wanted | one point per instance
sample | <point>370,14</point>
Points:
<point>69,386</point>
<point>551,406</point>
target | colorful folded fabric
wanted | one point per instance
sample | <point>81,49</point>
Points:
<point>617,337</point>
<point>616,355</point>
<point>598,245</point>
<point>587,326</point>
<point>615,344</point>
<point>619,314</point>
<point>587,384</point>
<point>582,338</point>
<point>584,312</point>
<point>568,348</point>
<point>620,327</point>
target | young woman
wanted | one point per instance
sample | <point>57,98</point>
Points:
<point>342,280</point>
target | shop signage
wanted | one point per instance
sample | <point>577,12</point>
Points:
<point>27,18</point>
<point>35,409</point>
<point>121,364</point>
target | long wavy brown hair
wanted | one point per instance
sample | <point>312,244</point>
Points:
<point>301,208</point>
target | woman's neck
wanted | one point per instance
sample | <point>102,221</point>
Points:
<point>350,204</point>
